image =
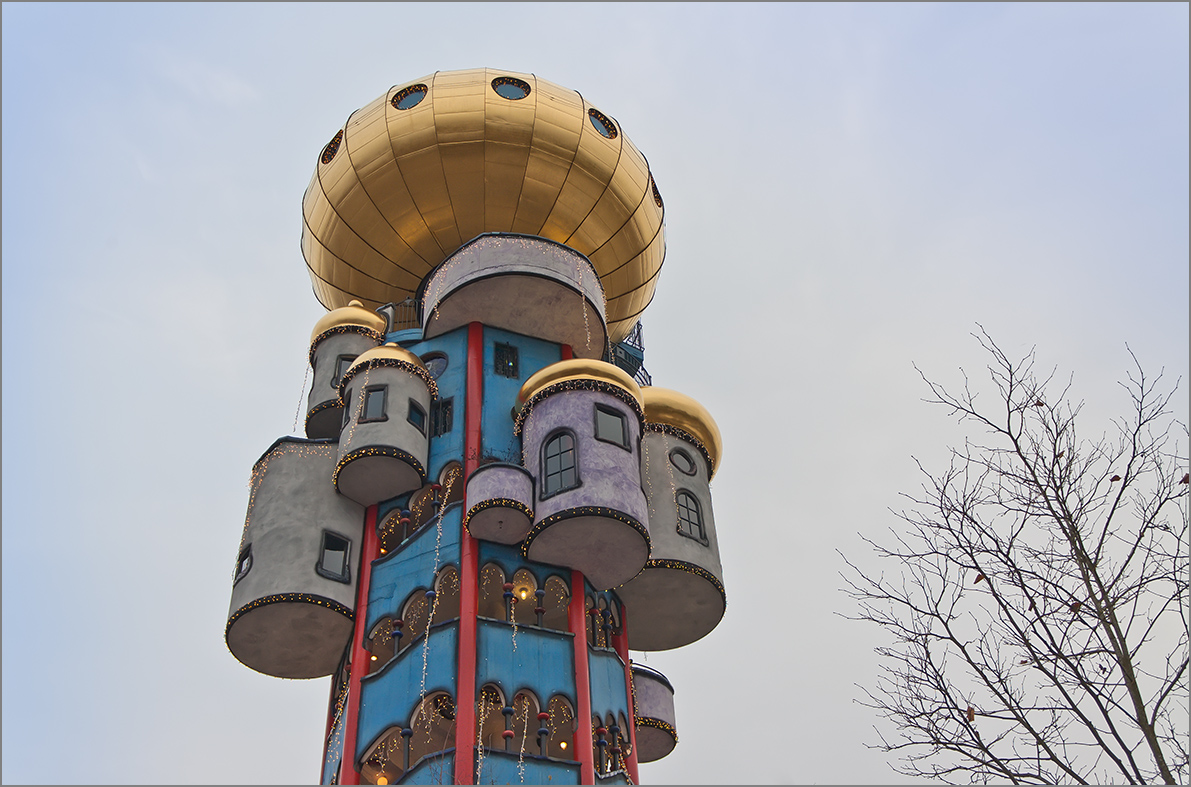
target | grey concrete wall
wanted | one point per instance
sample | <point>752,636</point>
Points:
<point>396,431</point>
<point>326,354</point>
<point>654,698</point>
<point>661,481</point>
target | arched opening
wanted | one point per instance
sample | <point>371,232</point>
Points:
<point>414,616</point>
<point>524,723</point>
<point>385,762</point>
<point>446,588</point>
<point>450,481</point>
<point>490,722</point>
<point>525,597</point>
<point>433,726</point>
<point>556,600</point>
<point>562,728</point>
<point>492,602</point>
<point>625,741</point>
<point>381,644</point>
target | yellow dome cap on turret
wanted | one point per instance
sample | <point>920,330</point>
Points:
<point>671,408</point>
<point>353,313</point>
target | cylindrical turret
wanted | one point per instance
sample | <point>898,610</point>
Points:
<point>653,708</point>
<point>336,341</point>
<point>519,283</point>
<point>581,433</point>
<point>679,596</point>
<point>383,447</point>
<point>500,497</point>
<point>294,589</point>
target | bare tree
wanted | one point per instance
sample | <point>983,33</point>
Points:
<point>1038,598</point>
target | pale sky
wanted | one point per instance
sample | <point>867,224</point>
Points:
<point>849,190</point>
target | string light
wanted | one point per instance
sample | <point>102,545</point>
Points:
<point>369,364</point>
<point>376,336</point>
<point>497,502</point>
<point>581,384</point>
<point>600,511</point>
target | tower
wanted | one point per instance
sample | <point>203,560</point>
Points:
<point>492,503</point>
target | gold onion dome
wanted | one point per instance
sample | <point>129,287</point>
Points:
<point>671,408</point>
<point>578,369</point>
<point>390,351</point>
<point>353,313</point>
<point>435,162</point>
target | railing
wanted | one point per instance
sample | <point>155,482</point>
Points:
<point>401,316</point>
<point>630,356</point>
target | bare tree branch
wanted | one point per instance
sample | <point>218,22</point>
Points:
<point>1038,597</point>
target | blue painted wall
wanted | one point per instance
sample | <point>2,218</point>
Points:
<point>432,769</point>
<point>500,393</point>
<point>501,767</point>
<point>543,662</point>
<point>389,697</point>
<point>410,567</point>
<point>608,689</point>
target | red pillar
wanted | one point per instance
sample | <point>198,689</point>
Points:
<point>351,711</point>
<point>465,702</point>
<point>621,643</point>
<point>567,353</point>
<point>577,622</point>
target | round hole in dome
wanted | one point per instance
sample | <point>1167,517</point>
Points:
<point>657,195</point>
<point>601,123</point>
<point>332,148</point>
<point>510,88</point>
<point>409,97</point>
<point>683,461</point>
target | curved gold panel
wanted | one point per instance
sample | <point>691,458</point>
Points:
<point>665,406</point>
<point>405,188</point>
<point>578,369</point>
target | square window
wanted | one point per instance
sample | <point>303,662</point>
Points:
<point>611,427</point>
<point>507,363</point>
<point>332,562</point>
<point>244,563</point>
<point>374,404</point>
<point>347,407</point>
<point>442,416</point>
<point>417,416</point>
<point>342,364</point>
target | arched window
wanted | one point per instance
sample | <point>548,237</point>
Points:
<point>556,600</point>
<point>559,468</point>
<point>446,589</point>
<point>382,645</point>
<point>690,521</point>
<point>433,726</point>
<point>385,762</point>
<point>415,615</point>
<point>562,728</point>
<point>525,599</point>
<point>492,601</point>
<point>524,723</point>
<point>490,722</point>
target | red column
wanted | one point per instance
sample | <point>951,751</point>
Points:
<point>621,643</point>
<point>567,353</point>
<point>465,702</point>
<point>351,711</point>
<point>577,622</point>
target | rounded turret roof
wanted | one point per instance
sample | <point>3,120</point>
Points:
<point>435,162</point>
<point>579,369</point>
<point>353,313</point>
<point>671,408</point>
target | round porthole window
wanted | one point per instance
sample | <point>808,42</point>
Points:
<point>683,461</point>
<point>657,196</point>
<point>409,97</point>
<point>332,148</point>
<point>510,88</point>
<point>601,123</point>
<point>436,364</point>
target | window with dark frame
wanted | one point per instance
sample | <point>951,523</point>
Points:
<point>347,407</point>
<point>417,416</point>
<point>332,562</point>
<point>690,521</point>
<point>342,364</point>
<point>558,464</point>
<point>442,413</point>
<point>244,563</point>
<point>507,362</point>
<point>374,403</point>
<point>611,426</point>
<point>683,461</point>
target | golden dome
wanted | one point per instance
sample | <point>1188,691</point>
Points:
<point>578,369</point>
<point>435,162</point>
<point>353,313</point>
<point>664,406</point>
<point>389,351</point>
